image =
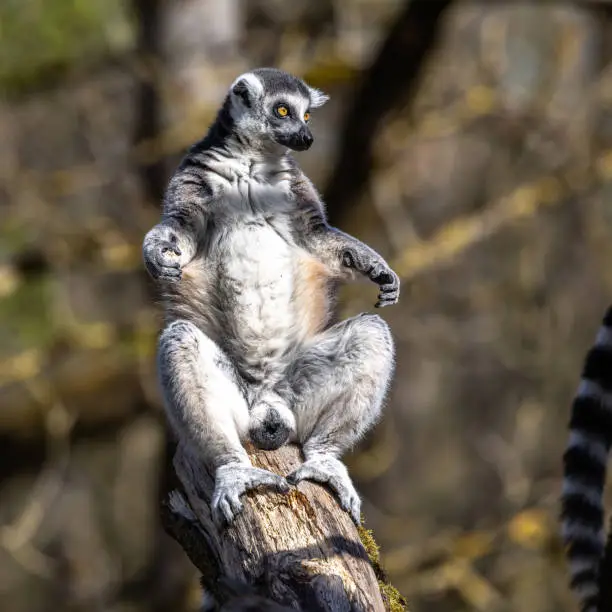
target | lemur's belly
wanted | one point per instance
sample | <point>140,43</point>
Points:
<point>256,283</point>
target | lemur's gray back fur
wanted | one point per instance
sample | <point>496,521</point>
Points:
<point>248,268</point>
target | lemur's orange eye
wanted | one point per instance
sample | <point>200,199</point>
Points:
<point>282,110</point>
<point>306,116</point>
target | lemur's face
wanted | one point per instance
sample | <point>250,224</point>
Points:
<point>288,118</point>
<point>272,107</point>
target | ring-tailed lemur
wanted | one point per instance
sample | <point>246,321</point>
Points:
<point>585,461</point>
<point>248,268</point>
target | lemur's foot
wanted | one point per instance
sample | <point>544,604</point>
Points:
<point>329,470</point>
<point>233,480</point>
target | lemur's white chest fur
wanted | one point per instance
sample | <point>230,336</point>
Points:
<point>260,268</point>
<point>258,278</point>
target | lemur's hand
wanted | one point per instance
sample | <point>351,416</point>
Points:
<point>389,284</point>
<point>378,271</point>
<point>162,258</point>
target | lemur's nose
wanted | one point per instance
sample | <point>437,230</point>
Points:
<point>304,137</point>
<point>307,138</point>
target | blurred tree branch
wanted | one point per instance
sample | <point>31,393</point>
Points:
<point>393,75</point>
<point>147,126</point>
<point>458,235</point>
<point>18,537</point>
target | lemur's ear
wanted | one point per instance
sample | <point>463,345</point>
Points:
<point>247,88</point>
<point>317,97</point>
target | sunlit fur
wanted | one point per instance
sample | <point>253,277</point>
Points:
<point>248,269</point>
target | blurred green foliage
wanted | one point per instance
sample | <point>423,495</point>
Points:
<point>26,317</point>
<point>39,38</point>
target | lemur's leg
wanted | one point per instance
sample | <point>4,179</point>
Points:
<point>338,383</point>
<point>206,406</point>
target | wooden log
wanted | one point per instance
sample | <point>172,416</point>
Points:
<point>299,550</point>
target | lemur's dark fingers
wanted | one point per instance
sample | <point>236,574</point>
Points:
<point>170,271</point>
<point>379,274</point>
<point>172,249</point>
<point>386,300</point>
<point>387,287</point>
<point>164,262</point>
<point>163,268</point>
<point>389,290</point>
<point>388,295</point>
<point>170,274</point>
<point>386,280</point>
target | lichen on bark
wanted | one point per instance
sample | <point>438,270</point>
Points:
<point>392,598</point>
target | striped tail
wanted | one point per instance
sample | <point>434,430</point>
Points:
<point>585,462</point>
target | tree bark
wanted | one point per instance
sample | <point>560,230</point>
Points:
<point>298,549</point>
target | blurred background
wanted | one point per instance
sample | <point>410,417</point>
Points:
<point>469,142</point>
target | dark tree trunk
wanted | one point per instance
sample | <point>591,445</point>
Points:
<point>390,79</point>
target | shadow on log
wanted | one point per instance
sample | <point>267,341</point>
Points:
<point>299,550</point>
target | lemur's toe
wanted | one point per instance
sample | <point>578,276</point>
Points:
<point>349,499</point>
<point>306,472</point>
<point>233,499</point>
<point>222,512</point>
<point>330,471</point>
<point>269,479</point>
<point>354,509</point>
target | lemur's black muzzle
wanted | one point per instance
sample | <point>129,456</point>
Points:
<point>305,137</point>
<point>298,141</point>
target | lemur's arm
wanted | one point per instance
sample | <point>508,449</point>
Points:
<point>337,250</point>
<point>173,242</point>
